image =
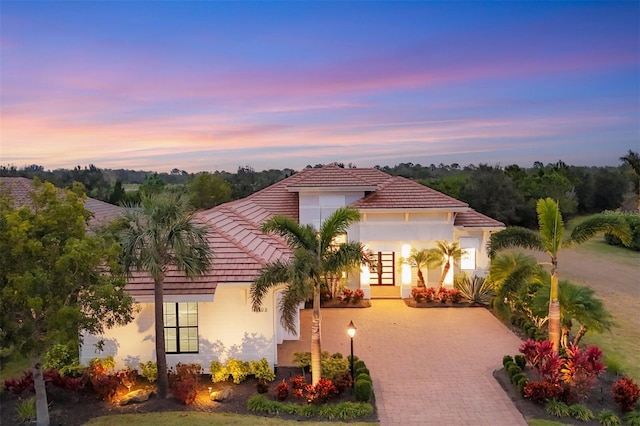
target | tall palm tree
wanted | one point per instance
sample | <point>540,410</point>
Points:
<point>158,234</point>
<point>550,240</point>
<point>314,257</point>
<point>443,254</point>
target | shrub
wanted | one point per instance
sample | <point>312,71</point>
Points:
<point>282,391</point>
<point>581,412</point>
<point>543,359</point>
<point>128,377</point>
<point>333,366</point>
<point>454,296</point>
<point>541,391</point>
<point>298,386</point>
<point>519,359</point>
<point>363,376</point>
<point>475,290</point>
<point>149,371</point>
<point>262,370</point>
<point>343,381</point>
<point>632,418</point>
<point>238,369</point>
<point>363,390</point>
<point>363,370</point>
<point>556,408</point>
<point>63,358</point>
<point>26,410</point>
<point>302,359</point>
<point>520,384</point>
<point>581,370</point>
<point>105,385</point>
<point>608,418</point>
<point>626,393</point>
<point>101,365</point>
<point>359,364</point>
<point>506,359</point>
<point>633,220</point>
<point>347,294</point>
<point>517,377</point>
<point>219,372</point>
<point>357,296</point>
<point>183,381</point>
<point>321,392</point>
<point>422,294</point>
<point>18,385</point>
<point>513,369</point>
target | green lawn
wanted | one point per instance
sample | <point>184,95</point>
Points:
<point>192,418</point>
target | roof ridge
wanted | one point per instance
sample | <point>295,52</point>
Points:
<point>433,190</point>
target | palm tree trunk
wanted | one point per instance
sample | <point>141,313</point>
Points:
<point>316,348</point>
<point>42,405</point>
<point>564,338</point>
<point>554,310</point>
<point>445,271</point>
<point>581,333</point>
<point>420,278</point>
<point>161,355</point>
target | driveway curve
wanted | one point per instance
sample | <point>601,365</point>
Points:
<point>429,366</point>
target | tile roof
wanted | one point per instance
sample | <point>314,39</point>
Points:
<point>331,176</point>
<point>401,193</point>
<point>21,189</point>
<point>473,219</point>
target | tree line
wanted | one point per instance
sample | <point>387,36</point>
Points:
<point>508,194</point>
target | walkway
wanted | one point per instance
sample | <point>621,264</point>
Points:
<point>429,366</point>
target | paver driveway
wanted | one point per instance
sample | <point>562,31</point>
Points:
<point>429,366</point>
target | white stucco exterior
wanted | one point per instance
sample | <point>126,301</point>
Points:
<point>227,328</point>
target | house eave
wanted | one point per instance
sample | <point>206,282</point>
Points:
<point>414,210</point>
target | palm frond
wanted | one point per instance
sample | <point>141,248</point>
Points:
<point>611,224</point>
<point>514,236</point>
<point>337,223</point>
<point>519,266</point>
<point>296,235</point>
<point>271,275</point>
<point>551,225</point>
<point>348,256</point>
<point>288,307</point>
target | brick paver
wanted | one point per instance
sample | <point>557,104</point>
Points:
<point>429,366</point>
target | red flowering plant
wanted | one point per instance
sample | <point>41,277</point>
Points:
<point>357,296</point>
<point>626,393</point>
<point>581,370</point>
<point>347,294</point>
<point>543,359</point>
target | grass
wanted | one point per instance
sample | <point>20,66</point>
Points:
<point>540,422</point>
<point>199,419</point>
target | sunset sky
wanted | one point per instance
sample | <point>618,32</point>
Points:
<point>216,85</point>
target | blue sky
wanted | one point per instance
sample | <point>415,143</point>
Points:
<point>217,85</point>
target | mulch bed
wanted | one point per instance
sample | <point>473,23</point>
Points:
<point>76,408</point>
<point>600,399</point>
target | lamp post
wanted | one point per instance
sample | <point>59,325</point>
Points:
<point>351,331</point>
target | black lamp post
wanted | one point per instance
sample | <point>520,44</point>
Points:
<point>351,331</point>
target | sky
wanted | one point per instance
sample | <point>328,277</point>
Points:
<point>205,86</point>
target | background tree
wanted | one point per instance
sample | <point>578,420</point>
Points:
<point>157,235</point>
<point>206,190</point>
<point>313,258</point>
<point>632,159</point>
<point>53,283</point>
<point>550,240</point>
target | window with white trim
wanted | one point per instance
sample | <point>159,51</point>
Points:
<point>181,327</point>
<point>468,258</point>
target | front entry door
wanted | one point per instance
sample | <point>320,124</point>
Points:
<point>386,268</point>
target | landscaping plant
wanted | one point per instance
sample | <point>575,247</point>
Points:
<point>608,418</point>
<point>626,393</point>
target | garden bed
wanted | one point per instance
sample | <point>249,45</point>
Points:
<point>74,408</point>
<point>413,304</point>
<point>600,399</point>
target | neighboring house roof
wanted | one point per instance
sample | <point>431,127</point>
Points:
<point>21,189</point>
<point>332,176</point>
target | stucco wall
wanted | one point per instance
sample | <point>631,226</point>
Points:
<point>227,327</point>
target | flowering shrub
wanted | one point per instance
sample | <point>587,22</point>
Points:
<point>183,381</point>
<point>449,295</point>
<point>282,391</point>
<point>581,370</point>
<point>542,391</point>
<point>321,392</point>
<point>298,386</point>
<point>347,294</point>
<point>21,384</point>
<point>357,296</point>
<point>423,294</point>
<point>541,357</point>
<point>343,381</point>
<point>626,393</point>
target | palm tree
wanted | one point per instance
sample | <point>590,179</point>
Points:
<point>313,258</point>
<point>576,303</point>
<point>633,160</point>
<point>421,259</point>
<point>443,255</point>
<point>159,234</point>
<point>550,240</point>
